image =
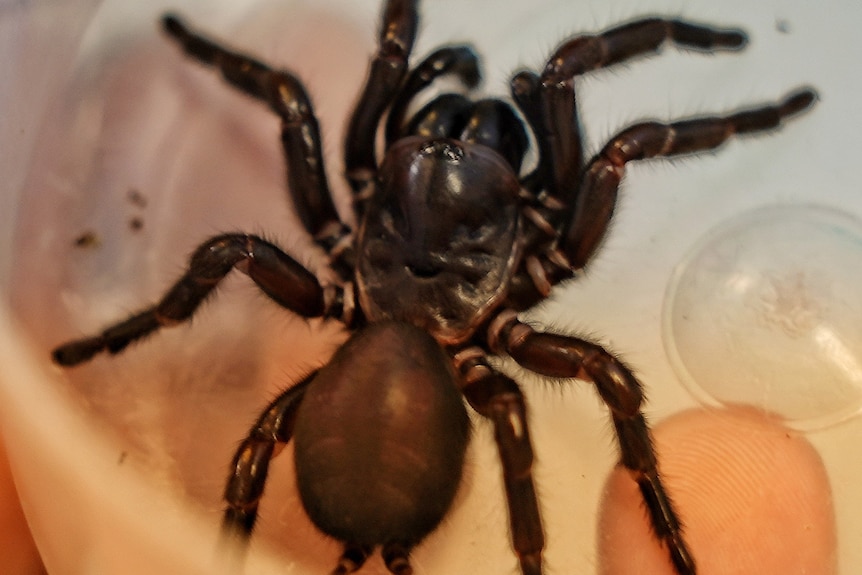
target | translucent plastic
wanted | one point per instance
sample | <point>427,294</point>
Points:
<point>765,310</point>
<point>119,156</point>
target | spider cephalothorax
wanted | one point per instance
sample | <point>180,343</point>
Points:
<point>453,241</point>
<point>443,228</point>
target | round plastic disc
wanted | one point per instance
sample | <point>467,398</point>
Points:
<point>766,310</point>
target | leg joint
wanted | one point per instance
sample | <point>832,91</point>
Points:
<point>615,382</point>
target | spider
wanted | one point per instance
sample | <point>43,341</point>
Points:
<point>455,239</point>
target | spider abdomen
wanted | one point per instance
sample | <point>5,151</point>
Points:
<point>380,438</point>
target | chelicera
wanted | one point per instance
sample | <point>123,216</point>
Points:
<point>455,238</point>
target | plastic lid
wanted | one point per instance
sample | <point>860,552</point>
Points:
<point>766,310</point>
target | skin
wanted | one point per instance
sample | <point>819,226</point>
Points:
<point>753,495</point>
<point>18,554</point>
<point>749,490</point>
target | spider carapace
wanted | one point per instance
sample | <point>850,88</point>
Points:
<point>455,238</point>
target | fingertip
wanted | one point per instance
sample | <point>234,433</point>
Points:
<point>747,490</point>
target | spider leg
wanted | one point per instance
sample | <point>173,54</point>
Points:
<point>489,122</point>
<point>567,357</point>
<point>278,275</point>
<point>590,215</point>
<point>499,399</point>
<point>300,133</point>
<point>493,123</point>
<point>250,465</point>
<point>524,88</point>
<point>598,189</point>
<point>459,60</point>
<point>549,100</point>
<point>387,71</point>
<point>442,117</point>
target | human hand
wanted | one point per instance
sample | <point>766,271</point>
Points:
<point>752,494</point>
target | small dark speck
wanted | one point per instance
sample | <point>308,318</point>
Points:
<point>782,25</point>
<point>136,224</point>
<point>137,198</point>
<point>122,457</point>
<point>88,239</point>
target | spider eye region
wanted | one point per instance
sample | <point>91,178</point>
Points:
<point>445,149</point>
<point>441,228</point>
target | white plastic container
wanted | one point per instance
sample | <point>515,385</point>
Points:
<point>118,157</point>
